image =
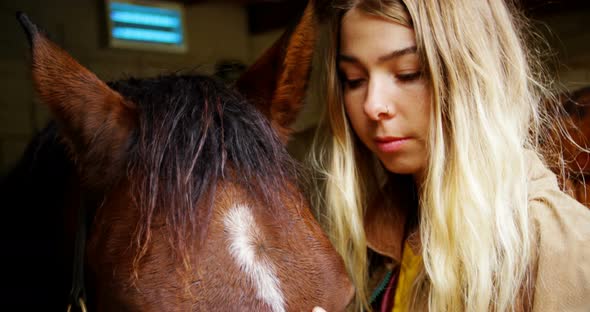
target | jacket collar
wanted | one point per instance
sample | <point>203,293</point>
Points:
<point>387,217</point>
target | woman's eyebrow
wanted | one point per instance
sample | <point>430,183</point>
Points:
<point>391,55</point>
<point>396,54</point>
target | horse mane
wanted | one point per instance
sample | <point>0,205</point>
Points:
<point>193,133</point>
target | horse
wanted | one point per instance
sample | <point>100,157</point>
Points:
<point>171,193</point>
<point>576,105</point>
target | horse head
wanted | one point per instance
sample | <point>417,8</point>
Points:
<point>194,200</point>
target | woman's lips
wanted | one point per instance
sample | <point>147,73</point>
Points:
<point>390,144</point>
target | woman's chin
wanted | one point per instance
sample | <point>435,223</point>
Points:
<point>403,166</point>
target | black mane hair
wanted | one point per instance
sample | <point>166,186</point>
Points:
<point>194,132</point>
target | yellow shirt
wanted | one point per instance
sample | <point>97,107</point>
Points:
<point>409,270</point>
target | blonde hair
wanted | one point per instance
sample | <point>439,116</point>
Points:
<point>473,217</point>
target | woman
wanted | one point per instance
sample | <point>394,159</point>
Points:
<point>435,187</point>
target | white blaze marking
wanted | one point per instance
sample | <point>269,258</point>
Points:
<point>243,232</point>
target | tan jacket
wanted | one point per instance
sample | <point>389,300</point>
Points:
<point>561,226</point>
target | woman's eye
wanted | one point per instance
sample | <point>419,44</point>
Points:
<point>353,83</point>
<point>409,77</point>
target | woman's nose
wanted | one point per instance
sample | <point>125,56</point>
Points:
<point>378,103</point>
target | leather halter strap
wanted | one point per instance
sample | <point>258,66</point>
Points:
<point>77,297</point>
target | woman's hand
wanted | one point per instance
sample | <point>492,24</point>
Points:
<point>318,309</point>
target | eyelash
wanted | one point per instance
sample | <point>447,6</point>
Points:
<point>355,83</point>
<point>409,77</point>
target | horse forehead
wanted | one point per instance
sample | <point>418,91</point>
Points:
<point>245,242</point>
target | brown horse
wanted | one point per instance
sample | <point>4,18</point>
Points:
<point>577,106</point>
<point>190,196</point>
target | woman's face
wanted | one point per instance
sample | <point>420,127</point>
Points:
<point>386,96</point>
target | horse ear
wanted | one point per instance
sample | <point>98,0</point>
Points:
<point>94,119</point>
<point>277,81</point>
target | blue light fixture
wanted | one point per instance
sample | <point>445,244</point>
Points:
<point>146,25</point>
